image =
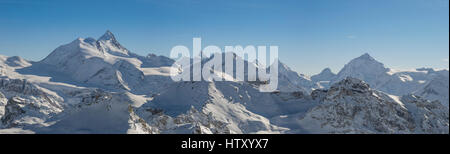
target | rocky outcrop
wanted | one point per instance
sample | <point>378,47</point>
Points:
<point>3,102</point>
<point>13,109</point>
<point>27,103</point>
<point>351,106</point>
<point>192,121</point>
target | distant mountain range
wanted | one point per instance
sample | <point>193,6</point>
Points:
<point>98,86</point>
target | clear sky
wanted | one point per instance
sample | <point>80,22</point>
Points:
<point>311,34</point>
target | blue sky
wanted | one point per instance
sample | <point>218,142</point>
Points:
<point>311,34</point>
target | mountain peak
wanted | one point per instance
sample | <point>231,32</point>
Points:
<point>327,71</point>
<point>325,75</point>
<point>351,83</point>
<point>366,56</point>
<point>111,45</point>
<point>107,36</point>
<point>365,61</point>
<point>365,68</point>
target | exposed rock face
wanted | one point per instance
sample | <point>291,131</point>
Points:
<point>98,86</point>
<point>319,94</point>
<point>27,103</point>
<point>430,116</point>
<point>429,83</point>
<point>192,121</point>
<point>3,101</point>
<point>18,86</point>
<point>13,109</point>
<point>351,106</point>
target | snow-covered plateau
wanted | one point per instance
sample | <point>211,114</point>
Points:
<point>98,86</point>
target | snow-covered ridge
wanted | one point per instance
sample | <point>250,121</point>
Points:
<point>325,75</point>
<point>98,86</point>
<point>351,106</point>
<point>396,82</point>
<point>106,63</point>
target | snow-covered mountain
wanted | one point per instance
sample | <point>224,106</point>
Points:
<point>365,68</point>
<point>324,75</point>
<point>323,79</point>
<point>351,106</point>
<point>426,82</point>
<point>436,89</point>
<point>238,104</point>
<point>98,86</point>
<point>106,63</point>
<point>291,81</point>
<point>288,80</point>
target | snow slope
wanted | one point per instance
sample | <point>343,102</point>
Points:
<point>106,63</point>
<point>98,86</point>
<point>324,75</point>
<point>351,106</point>
<point>237,104</point>
<point>426,82</point>
<point>288,80</point>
